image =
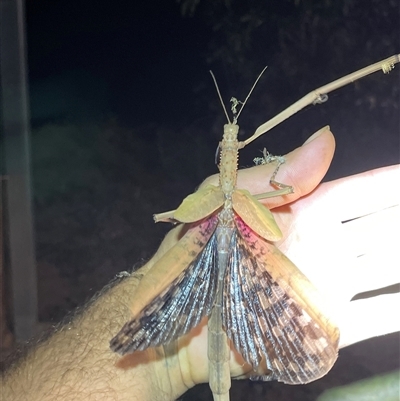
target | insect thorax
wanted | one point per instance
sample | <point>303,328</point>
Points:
<point>229,158</point>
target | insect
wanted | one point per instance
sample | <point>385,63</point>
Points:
<point>226,268</point>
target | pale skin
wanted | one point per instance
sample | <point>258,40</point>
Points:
<point>76,363</point>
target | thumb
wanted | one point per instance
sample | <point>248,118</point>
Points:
<point>304,168</point>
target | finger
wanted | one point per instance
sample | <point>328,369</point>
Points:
<point>369,241</point>
<point>374,232</point>
<point>303,170</point>
<point>313,240</point>
<point>374,242</point>
<point>367,318</point>
<point>373,272</point>
<point>365,193</point>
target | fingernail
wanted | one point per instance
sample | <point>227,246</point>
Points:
<point>316,134</point>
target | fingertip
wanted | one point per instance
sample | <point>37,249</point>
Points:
<point>309,163</point>
<point>324,131</point>
<point>321,142</point>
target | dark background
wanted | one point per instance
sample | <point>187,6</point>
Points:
<point>126,121</point>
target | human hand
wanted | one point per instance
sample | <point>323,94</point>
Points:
<point>322,238</point>
<point>325,230</point>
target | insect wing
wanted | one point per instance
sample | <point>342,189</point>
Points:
<point>176,310</point>
<point>174,261</point>
<point>200,204</point>
<point>268,320</point>
<point>255,215</point>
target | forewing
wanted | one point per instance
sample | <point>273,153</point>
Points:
<point>177,309</point>
<point>269,317</point>
<point>200,204</point>
<point>256,215</point>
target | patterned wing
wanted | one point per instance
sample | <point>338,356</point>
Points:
<point>176,310</point>
<point>271,313</point>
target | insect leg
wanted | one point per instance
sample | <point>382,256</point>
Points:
<point>270,158</point>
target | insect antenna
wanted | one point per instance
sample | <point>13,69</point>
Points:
<point>220,97</point>
<point>250,92</point>
<point>235,102</point>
